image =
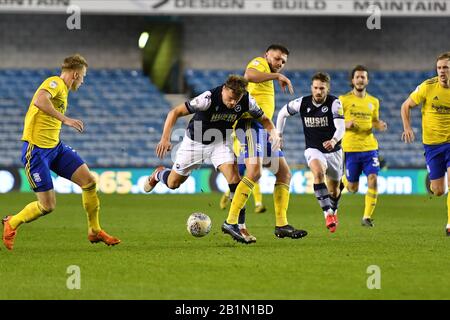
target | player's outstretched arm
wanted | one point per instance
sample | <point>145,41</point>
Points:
<point>408,133</point>
<point>44,104</point>
<point>283,114</point>
<point>164,144</point>
<point>257,76</point>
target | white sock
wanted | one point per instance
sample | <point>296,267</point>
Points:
<point>328,213</point>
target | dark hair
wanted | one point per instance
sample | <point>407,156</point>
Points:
<point>237,84</point>
<point>358,67</point>
<point>443,56</point>
<point>321,76</point>
<point>74,62</point>
<point>280,47</point>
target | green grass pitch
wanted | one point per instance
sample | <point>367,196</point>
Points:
<point>158,259</point>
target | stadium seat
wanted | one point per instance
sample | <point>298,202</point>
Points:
<point>121,110</point>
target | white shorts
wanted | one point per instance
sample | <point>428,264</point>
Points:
<point>192,154</point>
<point>333,163</point>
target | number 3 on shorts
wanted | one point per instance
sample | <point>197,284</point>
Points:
<point>376,162</point>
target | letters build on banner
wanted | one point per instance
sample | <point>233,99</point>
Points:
<point>233,7</point>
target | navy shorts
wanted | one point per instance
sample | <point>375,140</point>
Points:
<point>437,158</point>
<point>62,159</point>
<point>358,162</point>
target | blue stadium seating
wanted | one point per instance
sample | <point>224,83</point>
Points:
<point>122,111</point>
<point>391,87</point>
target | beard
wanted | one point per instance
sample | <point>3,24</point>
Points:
<point>319,100</point>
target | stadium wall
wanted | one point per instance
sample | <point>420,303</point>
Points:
<point>315,42</point>
<point>226,42</point>
<point>40,40</point>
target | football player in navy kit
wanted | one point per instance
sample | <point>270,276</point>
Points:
<point>208,138</point>
<point>322,117</point>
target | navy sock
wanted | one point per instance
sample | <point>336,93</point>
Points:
<point>323,196</point>
<point>163,176</point>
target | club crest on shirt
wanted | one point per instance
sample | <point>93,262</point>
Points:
<point>370,106</point>
<point>324,109</point>
<point>53,84</point>
<point>238,108</point>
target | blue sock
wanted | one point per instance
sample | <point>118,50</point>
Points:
<point>163,176</point>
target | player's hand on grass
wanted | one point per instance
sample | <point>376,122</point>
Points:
<point>74,123</point>
<point>408,135</point>
<point>162,148</point>
<point>285,83</point>
<point>329,144</point>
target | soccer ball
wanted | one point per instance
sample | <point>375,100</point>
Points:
<point>198,224</point>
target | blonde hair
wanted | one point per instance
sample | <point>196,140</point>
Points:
<point>75,62</point>
<point>443,56</point>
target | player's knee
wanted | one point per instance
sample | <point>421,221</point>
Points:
<point>372,181</point>
<point>48,206</point>
<point>352,187</point>
<point>287,175</point>
<point>283,176</point>
<point>319,177</point>
<point>234,179</point>
<point>90,179</point>
<point>438,191</point>
<point>254,175</point>
<point>173,184</point>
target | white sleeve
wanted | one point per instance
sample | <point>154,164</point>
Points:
<point>290,109</point>
<point>281,119</point>
<point>293,107</point>
<point>338,120</point>
<point>253,108</point>
<point>339,123</point>
<point>199,103</point>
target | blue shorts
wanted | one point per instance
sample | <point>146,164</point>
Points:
<point>254,141</point>
<point>358,162</point>
<point>38,162</point>
<point>437,158</point>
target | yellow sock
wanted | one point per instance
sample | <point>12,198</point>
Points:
<point>243,191</point>
<point>31,212</point>
<point>448,207</point>
<point>371,201</point>
<point>257,195</point>
<point>345,181</point>
<point>91,204</point>
<point>281,203</point>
